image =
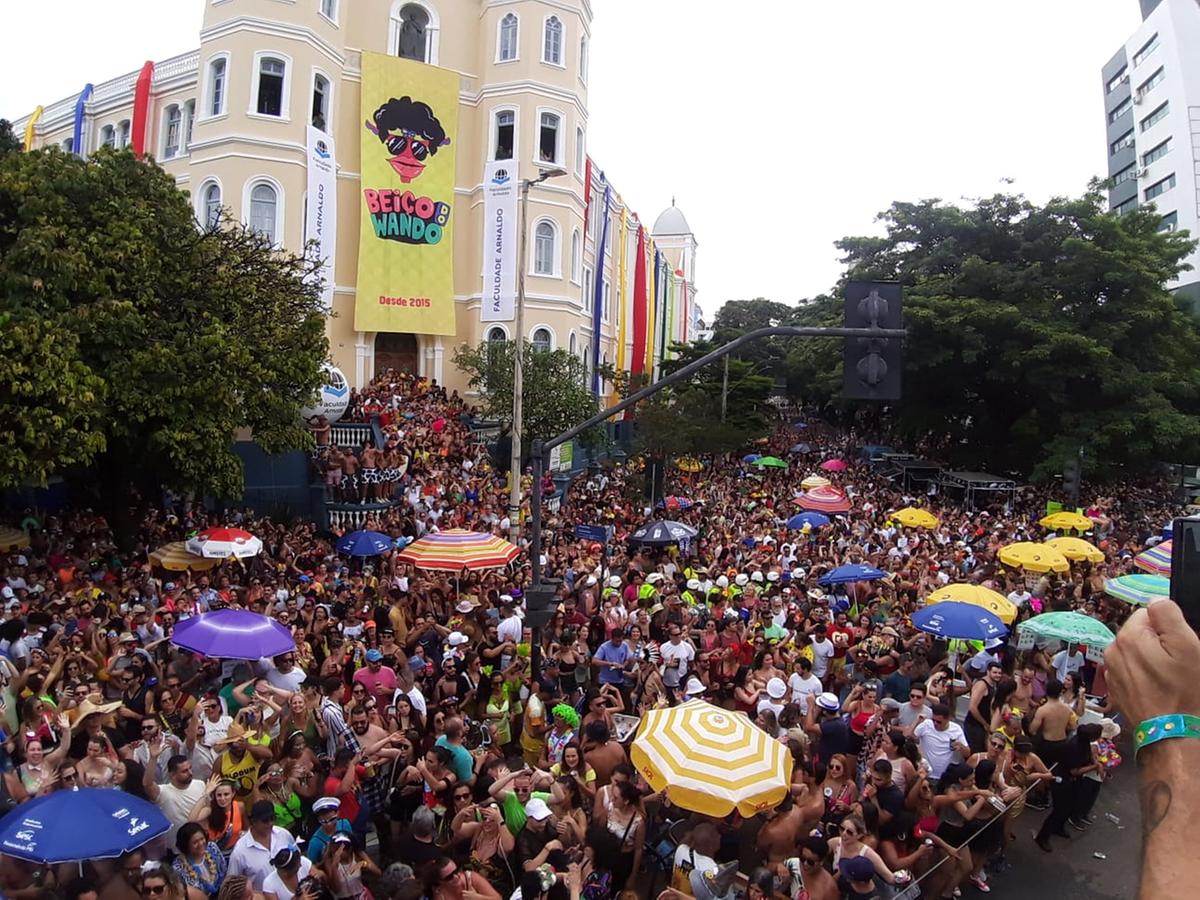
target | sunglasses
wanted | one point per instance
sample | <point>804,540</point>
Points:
<point>848,832</point>
<point>809,861</point>
<point>397,143</point>
<point>154,889</point>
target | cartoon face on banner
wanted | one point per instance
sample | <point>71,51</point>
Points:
<point>332,399</point>
<point>411,134</point>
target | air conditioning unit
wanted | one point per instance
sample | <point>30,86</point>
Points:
<point>1137,99</point>
<point>1141,173</point>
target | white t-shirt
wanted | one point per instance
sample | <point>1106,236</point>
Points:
<point>689,860</point>
<point>252,859</point>
<point>285,681</point>
<point>684,652</point>
<point>803,688</point>
<point>176,804</point>
<point>938,746</point>
<point>1019,598</point>
<point>273,884</point>
<point>1064,664</point>
<point>822,654</point>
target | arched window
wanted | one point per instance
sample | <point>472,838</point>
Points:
<point>549,130</point>
<point>587,365</point>
<point>414,33</point>
<point>271,75</point>
<point>542,340</point>
<point>173,131</point>
<point>496,335</point>
<point>580,152</point>
<point>506,133</point>
<point>544,249</point>
<point>552,42</point>
<point>320,102</point>
<point>210,205</point>
<point>583,59</point>
<point>572,343</point>
<point>189,116</point>
<point>108,136</point>
<point>329,9</point>
<point>506,46</point>
<point>216,86</point>
<point>576,256</point>
<point>496,339</point>
<point>264,208</point>
<point>123,128</point>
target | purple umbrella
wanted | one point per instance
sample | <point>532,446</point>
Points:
<point>233,634</point>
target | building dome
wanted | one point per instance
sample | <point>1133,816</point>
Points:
<point>671,221</point>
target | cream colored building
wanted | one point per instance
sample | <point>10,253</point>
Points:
<point>229,122</point>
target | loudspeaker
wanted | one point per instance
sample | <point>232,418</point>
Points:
<point>1185,568</point>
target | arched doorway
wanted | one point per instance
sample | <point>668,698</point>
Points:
<point>396,351</point>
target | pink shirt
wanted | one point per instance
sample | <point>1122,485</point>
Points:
<point>378,683</point>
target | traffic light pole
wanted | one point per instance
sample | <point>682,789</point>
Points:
<point>540,449</point>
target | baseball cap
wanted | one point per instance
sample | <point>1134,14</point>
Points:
<point>457,639</point>
<point>374,655</point>
<point>537,809</point>
<point>857,868</point>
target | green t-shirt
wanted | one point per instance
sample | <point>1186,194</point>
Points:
<point>514,810</point>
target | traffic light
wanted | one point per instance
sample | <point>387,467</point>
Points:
<point>1071,480</point>
<point>540,602</point>
<point>871,367</point>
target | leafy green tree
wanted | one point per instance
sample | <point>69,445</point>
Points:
<point>556,389</point>
<point>737,317</point>
<point>9,142</point>
<point>1033,331</point>
<point>137,344</point>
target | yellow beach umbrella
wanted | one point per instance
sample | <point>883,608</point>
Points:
<point>997,604</point>
<point>911,517</point>
<point>12,539</point>
<point>1034,557</point>
<point>1076,549</point>
<point>174,557</point>
<point>1067,521</point>
<point>711,760</point>
<point>687,464</point>
<point>815,481</point>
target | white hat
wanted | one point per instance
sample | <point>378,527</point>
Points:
<point>798,574</point>
<point>694,687</point>
<point>756,577</point>
<point>6,592</point>
<point>324,803</point>
<point>655,577</point>
<point>457,639</point>
<point>464,606</point>
<point>769,540</point>
<point>994,643</point>
<point>776,688</point>
<point>693,584</point>
<point>828,701</point>
<point>742,579</point>
<point>1109,730</point>
<point>614,581</point>
<point>506,600</point>
<point>772,576</point>
<point>537,809</point>
<point>722,582</point>
<point>816,594</point>
<point>589,581</point>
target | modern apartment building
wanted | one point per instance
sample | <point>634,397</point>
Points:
<point>234,123</point>
<point>1152,105</point>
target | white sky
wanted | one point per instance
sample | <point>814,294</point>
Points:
<point>779,125</point>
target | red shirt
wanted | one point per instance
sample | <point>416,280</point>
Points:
<point>840,652</point>
<point>350,808</point>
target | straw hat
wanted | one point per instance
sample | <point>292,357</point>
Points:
<point>235,733</point>
<point>93,706</point>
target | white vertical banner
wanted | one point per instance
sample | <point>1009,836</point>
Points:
<point>320,226</point>
<point>500,241</point>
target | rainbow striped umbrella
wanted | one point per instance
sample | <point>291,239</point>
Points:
<point>824,499</point>
<point>1157,559</point>
<point>711,760</point>
<point>1138,589</point>
<point>174,557</point>
<point>459,550</point>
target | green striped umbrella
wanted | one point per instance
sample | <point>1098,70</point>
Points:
<point>1074,628</point>
<point>773,462</point>
<point>1138,589</point>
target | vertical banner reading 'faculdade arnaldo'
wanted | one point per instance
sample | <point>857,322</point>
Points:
<point>406,247</point>
<point>499,241</point>
<point>320,224</point>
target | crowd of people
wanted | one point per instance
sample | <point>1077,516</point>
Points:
<point>408,749</point>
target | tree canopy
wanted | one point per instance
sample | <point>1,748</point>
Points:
<point>1032,331</point>
<point>136,343</point>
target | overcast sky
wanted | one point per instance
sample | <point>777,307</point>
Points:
<point>779,125</point>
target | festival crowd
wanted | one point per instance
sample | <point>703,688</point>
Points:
<point>406,749</point>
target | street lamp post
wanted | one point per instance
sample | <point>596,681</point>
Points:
<point>514,476</point>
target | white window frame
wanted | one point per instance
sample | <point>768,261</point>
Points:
<point>580,150</point>
<point>189,122</point>
<point>113,137</point>
<point>562,42</point>
<point>556,256</point>
<point>572,344</point>
<point>550,331</point>
<point>495,132</point>
<point>207,104</point>
<point>124,133</point>
<point>607,300</point>
<point>248,192</point>
<point>202,198</point>
<point>500,59</point>
<point>285,104</point>
<point>576,256</point>
<point>334,13</point>
<point>589,288</point>
<point>496,326</point>
<point>315,74</point>
<point>560,148</point>
<point>583,59</point>
<point>171,111</point>
<point>432,31</point>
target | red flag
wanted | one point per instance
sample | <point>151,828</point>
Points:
<point>141,108</point>
<point>639,305</point>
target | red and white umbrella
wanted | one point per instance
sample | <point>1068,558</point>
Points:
<point>222,543</point>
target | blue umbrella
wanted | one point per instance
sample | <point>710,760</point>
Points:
<point>751,457</point>
<point>800,448</point>
<point>849,573</point>
<point>70,826</point>
<point>364,543</point>
<point>662,533</point>
<point>811,519</point>
<point>953,619</point>
<point>799,426</point>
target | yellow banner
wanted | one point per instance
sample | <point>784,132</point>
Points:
<point>406,245</point>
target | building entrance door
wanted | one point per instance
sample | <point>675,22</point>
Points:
<point>396,351</point>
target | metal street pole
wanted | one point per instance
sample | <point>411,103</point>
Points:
<point>518,388</point>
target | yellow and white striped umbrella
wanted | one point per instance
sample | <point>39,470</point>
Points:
<point>174,557</point>
<point>711,760</point>
<point>815,481</point>
<point>12,539</point>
